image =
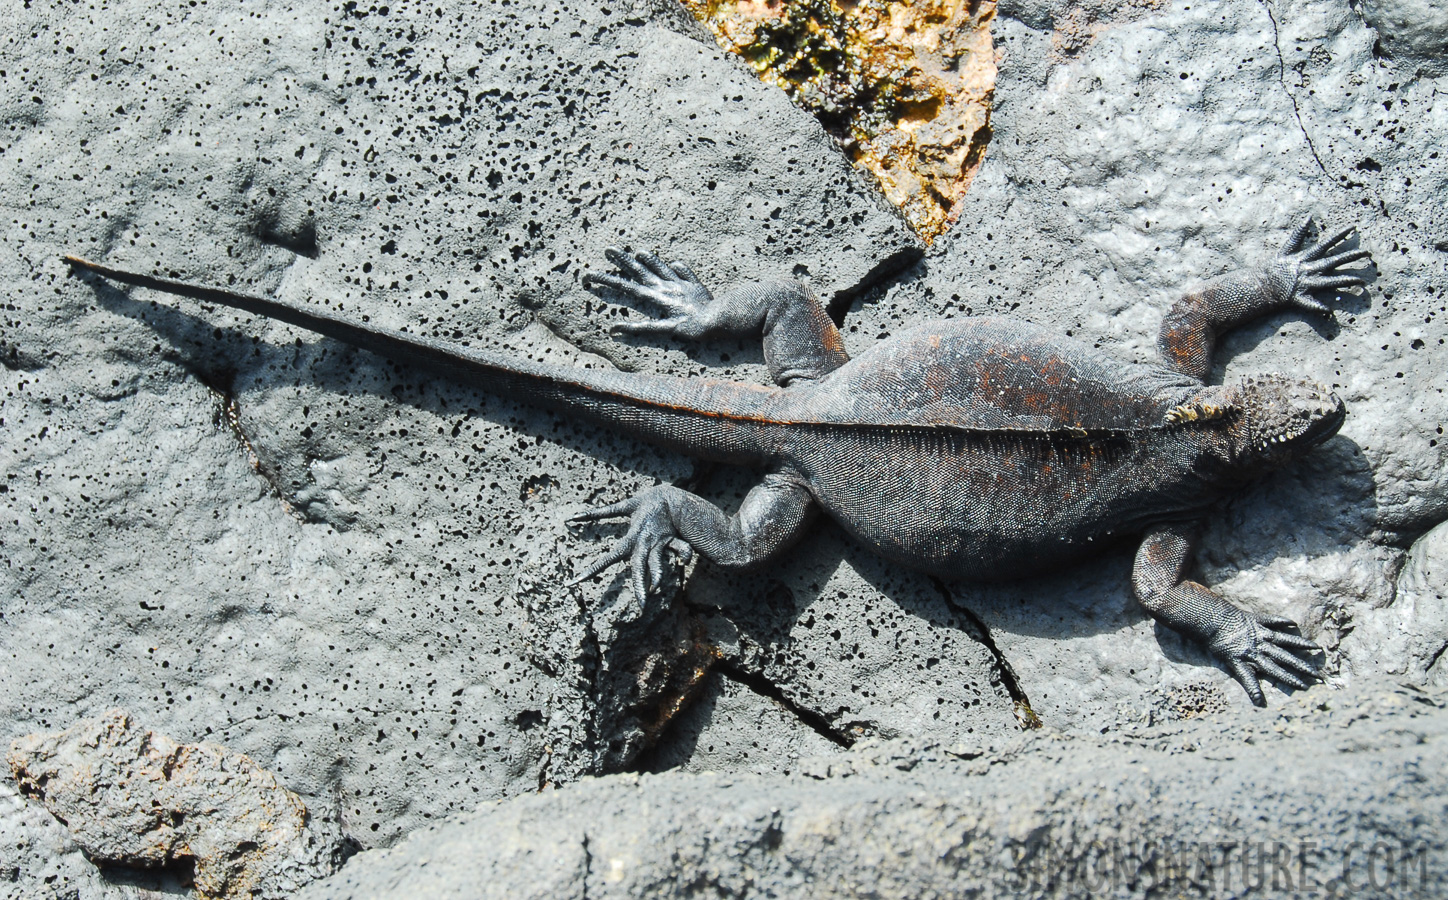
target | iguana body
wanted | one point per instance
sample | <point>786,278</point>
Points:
<point>974,448</point>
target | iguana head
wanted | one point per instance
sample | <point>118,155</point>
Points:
<point>1281,418</point>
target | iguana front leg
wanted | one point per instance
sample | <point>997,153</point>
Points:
<point>1247,643</point>
<point>772,516</point>
<point>1190,329</point>
<point>800,341</point>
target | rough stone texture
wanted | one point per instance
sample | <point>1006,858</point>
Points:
<point>736,726</point>
<point>350,574</point>
<point>1074,24</point>
<point>353,575</point>
<point>874,650</point>
<point>1172,148</point>
<point>906,87</point>
<point>39,860</point>
<point>137,798</point>
<point>1413,32</point>
<point>1348,797</point>
<point>1408,632</point>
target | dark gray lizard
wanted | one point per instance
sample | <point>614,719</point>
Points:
<point>977,448</point>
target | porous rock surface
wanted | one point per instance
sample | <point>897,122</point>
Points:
<point>131,796</point>
<point>355,574</point>
<point>1179,143</point>
<point>1328,795</point>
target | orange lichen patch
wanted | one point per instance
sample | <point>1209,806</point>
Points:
<point>905,86</point>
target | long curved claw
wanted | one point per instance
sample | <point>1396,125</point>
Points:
<point>1264,664</point>
<point>1258,646</point>
<point>658,267</point>
<point>656,565</point>
<point>1297,238</point>
<point>622,285</point>
<point>1332,262</point>
<point>1317,268</point>
<point>1244,675</point>
<point>1293,641</point>
<point>1272,620</point>
<point>627,263</point>
<point>617,554</point>
<point>1334,282</point>
<point>610,511</point>
<point>685,272</point>
<point>1298,666</point>
<point>1323,247</point>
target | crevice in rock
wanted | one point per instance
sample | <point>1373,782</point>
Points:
<point>590,665</point>
<point>1434,660</point>
<point>1026,717</point>
<point>543,781</point>
<point>587,865</point>
<point>762,686</point>
<point>883,274</point>
<point>1409,534</point>
<point>684,680</point>
<point>228,416</point>
<point>1282,79</point>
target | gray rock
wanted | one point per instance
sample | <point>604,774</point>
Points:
<point>38,858</point>
<point>1170,149</point>
<point>351,574</point>
<point>1410,634</point>
<point>132,797</point>
<point>355,576</point>
<point>1330,794</point>
<point>1412,31</point>
<point>739,725</point>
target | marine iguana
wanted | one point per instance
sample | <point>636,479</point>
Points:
<point>976,448</point>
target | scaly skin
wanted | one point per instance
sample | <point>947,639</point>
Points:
<point>971,448</point>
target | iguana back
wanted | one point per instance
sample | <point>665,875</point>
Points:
<point>986,448</point>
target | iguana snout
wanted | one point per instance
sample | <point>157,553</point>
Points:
<point>1284,417</point>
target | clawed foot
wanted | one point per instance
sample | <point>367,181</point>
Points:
<point>650,533</point>
<point>671,286</point>
<point>1251,645</point>
<point>1297,271</point>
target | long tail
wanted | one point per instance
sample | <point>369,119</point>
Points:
<point>715,420</point>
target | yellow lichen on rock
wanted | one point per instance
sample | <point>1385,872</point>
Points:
<point>904,86</point>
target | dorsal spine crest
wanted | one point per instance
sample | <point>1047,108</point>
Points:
<point>1199,412</point>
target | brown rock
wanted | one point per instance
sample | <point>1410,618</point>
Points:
<point>906,87</point>
<point>137,798</point>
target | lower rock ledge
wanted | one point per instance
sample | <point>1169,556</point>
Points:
<point>1333,793</point>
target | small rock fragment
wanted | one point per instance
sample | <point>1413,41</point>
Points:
<point>133,797</point>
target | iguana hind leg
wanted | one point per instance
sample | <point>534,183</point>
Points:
<point>800,341</point>
<point>1190,329</point>
<point>667,518</point>
<point>1247,644</point>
